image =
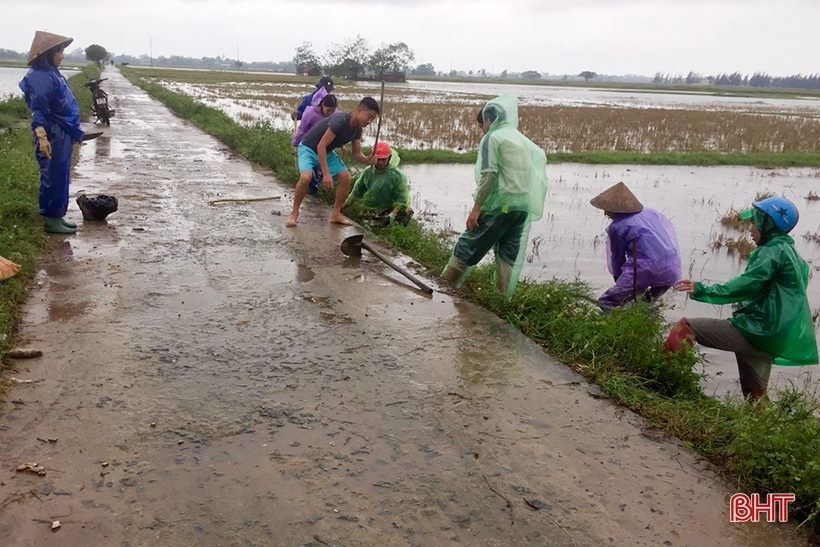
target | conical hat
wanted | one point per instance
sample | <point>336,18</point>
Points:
<point>44,41</point>
<point>617,199</point>
<point>7,268</point>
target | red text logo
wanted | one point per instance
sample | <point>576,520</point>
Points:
<point>743,508</point>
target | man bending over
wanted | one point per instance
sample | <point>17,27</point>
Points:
<point>317,149</point>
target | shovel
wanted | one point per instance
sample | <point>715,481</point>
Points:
<point>352,246</point>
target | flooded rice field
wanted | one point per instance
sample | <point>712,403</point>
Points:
<point>441,115</point>
<point>570,240</point>
<point>10,79</point>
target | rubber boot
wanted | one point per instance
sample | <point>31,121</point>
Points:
<point>503,275</point>
<point>759,394</point>
<point>54,225</point>
<point>68,224</point>
<point>679,337</point>
<point>455,271</point>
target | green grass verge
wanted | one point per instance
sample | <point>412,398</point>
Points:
<point>21,227</point>
<point>766,449</point>
<point>703,159</point>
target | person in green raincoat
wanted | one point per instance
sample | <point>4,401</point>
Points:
<point>381,190</point>
<point>511,185</point>
<point>772,322</point>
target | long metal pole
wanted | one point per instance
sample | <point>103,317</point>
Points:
<point>635,269</point>
<point>381,115</point>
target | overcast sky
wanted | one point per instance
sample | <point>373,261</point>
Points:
<point>618,37</point>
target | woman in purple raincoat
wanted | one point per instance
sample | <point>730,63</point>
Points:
<point>642,249</point>
<point>324,105</point>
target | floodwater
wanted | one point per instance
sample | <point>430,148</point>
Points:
<point>212,378</point>
<point>249,103</point>
<point>570,240</point>
<point>10,79</point>
<point>542,95</point>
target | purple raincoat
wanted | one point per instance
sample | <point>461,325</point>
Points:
<point>656,246</point>
<point>312,115</point>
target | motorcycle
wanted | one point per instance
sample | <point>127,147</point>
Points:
<point>99,101</point>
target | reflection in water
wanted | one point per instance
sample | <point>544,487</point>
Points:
<point>59,311</point>
<point>102,146</point>
<point>57,268</point>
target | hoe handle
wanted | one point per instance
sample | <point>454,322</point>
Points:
<point>399,269</point>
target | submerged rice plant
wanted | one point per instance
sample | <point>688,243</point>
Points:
<point>741,246</point>
<point>731,219</point>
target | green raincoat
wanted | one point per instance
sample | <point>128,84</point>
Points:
<point>382,190</point>
<point>511,177</point>
<point>519,165</point>
<point>773,313</point>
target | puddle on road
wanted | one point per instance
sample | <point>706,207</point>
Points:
<point>60,311</point>
<point>304,274</point>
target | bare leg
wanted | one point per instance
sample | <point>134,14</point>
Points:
<point>299,196</point>
<point>342,190</point>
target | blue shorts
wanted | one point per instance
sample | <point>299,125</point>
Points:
<point>309,161</point>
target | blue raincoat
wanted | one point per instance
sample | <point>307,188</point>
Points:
<point>54,108</point>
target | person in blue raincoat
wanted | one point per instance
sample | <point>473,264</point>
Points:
<point>55,125</point>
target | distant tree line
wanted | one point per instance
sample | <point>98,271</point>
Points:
<point>76,55</point>
<point>355,59</point>
<point>220,62</point>
<point>758,79</point>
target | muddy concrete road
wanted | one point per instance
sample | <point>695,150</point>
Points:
<point>215,379</point>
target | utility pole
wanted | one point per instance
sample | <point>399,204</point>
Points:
<point>151,50</point>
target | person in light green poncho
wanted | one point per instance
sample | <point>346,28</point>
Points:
<point>772,322</point>
<point>381,190</point>
<point>511,180</point>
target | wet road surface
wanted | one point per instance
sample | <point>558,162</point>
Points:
<point>212,378</point>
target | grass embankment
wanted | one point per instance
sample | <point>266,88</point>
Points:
<point>771,449</point>
<point>21,227</point>
<point>703,159</point>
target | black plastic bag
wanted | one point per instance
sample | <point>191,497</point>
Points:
<point>97,207</point>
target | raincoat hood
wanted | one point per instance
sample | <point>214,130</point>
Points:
<point>765,225</point>
<point>503,110</point>
<point>382,190</point>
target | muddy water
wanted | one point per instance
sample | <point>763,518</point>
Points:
<point>215,379</point>
<point>579,96</point>
<point>570,240</point>
<point>10,78</point>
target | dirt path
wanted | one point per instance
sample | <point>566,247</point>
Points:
<point>215,379</point>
